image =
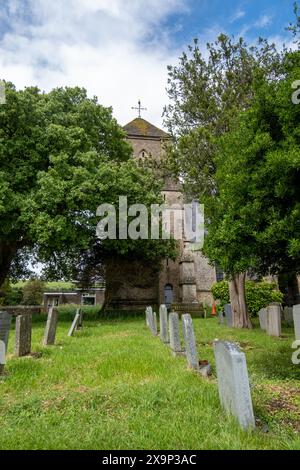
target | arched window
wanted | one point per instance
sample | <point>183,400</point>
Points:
<point>143,154</point>
<point>168,295</point>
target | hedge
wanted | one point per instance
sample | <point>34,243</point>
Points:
<point>258,295</point>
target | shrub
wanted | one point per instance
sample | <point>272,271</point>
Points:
<point>258,295</point>
<point>10,295</point>
<point>33,292</point>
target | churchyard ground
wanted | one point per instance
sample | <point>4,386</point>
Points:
<point>114,386</point>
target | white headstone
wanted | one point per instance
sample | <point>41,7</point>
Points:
<point>163,322</point>
<point>190,342</point>
<point>274,320</point>
<point>296,316</point>
<point>233,383</point>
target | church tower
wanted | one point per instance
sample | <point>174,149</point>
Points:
<point>186,280</point>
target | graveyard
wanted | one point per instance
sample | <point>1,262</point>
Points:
<point>114,384</point>
<point>150,226</point>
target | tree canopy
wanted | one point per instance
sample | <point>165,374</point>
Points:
<point>62,155</point>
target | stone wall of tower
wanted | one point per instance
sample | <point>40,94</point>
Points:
<point>152,147</point>
<point>205,278</point>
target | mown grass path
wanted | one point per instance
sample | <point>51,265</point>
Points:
<point>114,386</point>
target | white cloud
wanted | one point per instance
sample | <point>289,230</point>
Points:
<point>264,21</point>
<point>237,15</point>
<point>113,48</point>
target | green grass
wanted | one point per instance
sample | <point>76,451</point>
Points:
<point>48,285</point>
<point>114,386</point>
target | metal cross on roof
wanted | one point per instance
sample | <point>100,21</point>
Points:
<point>139,108</point>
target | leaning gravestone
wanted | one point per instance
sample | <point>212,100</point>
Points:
<point>5,322</point>
<point>174,332</point>
<point>190,342</point>
<point>296,316</point>
<point>288,315</point>
<point>50,331</point>
<point>274,320</point>
<point>163,321</point>
<point>80,321</point>
<point>75,323</point>
<point>233,383</point>
<point>262,314</point>
<point>228,315</point>
<point>23,335</point>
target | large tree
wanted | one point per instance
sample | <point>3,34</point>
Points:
<point>61,156</point>
<point>254,218</point>
<point>208,90</point>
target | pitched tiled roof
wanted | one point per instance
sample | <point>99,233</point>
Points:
<point>141,128</point>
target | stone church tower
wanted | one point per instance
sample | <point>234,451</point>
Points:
<point>188,279</point>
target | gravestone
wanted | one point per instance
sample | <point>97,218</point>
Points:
<point>151,320</point>
<point>2,356</point>
<point>80,321</point>
<point>190,342</point>
<point>154,330</point>
<point>222,317</point>
<point>288,315</point>
<point>74,323</point>
<point>174,332</point>
<point>50,331</point>
<point>233,383</point>
<point>148,316</point>
<point>228,315</point>
<point>296,316</point>
<point>274,320</point>
<point>5,322</point>
<point>163,322</point>
<point>262,314</point>
<point>23,335</point>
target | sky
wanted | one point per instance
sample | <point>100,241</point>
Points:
<point>119,50</point>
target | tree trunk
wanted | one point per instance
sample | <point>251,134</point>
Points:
<point>7,254</point>
<point>237,290</point>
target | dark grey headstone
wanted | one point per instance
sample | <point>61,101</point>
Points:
<point>50,331</point>
<point>5,322</point>
<point>228,315</point>
<point>174,331</point>
<point>221,317</point>
<point>233,383</point>
<point>75,323</point>
<point>23,335</point>
<point>190,342</point>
